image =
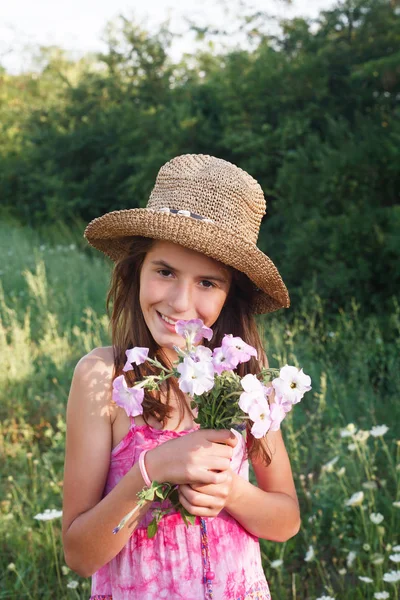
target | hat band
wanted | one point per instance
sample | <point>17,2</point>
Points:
<point>184,213</point>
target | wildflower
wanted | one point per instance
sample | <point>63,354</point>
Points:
<point>352,446</point>
<point>48,515</point>
<point>366,547</point>
<point>361,436</point>
<point>129,398</point>
<point>328,467</point>
<point>355,500</point>
<point>365,579</point>
<point>379,430</point>
<point>342,571</point>
<point>11,567</point>
<point>396,504</point>
<point>381,595</point>
<point>395,558</point>
<point>193,331</point>
<point>377,559</point>
<point>348,431</point>
<point>325,598</point>
<point>392,577</point>
<point>396,548</point>
<point>275,564</point>
<point>65,570</point>
<point>310,555</point>
<point>341,471</point>
<point>72,585</point>
<point>196,377</point>
<point>351,558</point>
<point>292,383</point>
<point>135,356</point>
<point>370,485</point>
<point>376,518</point>
<point>243,351</point>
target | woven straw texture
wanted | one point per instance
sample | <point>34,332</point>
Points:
<point>222,207</point>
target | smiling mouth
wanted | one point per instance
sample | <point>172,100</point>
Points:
<point>167,319</point>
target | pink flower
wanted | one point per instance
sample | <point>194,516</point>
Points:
<point>224,359</point>
<point>201,354</point>
<point>129,398</point>
<point>135,355</point>
<point>292,383</point>
<point>254,391</point>
<point>242,351</point>
<point>196,377</point>
<point>193,330</point>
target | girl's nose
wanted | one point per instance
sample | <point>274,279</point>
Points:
<point>180,298</point>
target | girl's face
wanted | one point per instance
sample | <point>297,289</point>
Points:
<point>178,283</point>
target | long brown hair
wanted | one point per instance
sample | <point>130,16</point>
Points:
<point>129,329</point>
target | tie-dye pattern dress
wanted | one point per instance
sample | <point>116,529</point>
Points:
<point>170,565</point>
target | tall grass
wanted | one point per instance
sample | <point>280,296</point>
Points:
<point>52,312</point>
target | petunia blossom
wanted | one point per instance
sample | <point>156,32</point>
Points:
<point>201,354</point>
<point>254,391</point>
<point>260,414</point>
<point>135,355</point>
<point>196,377</point>
<point>129,398</point>
<point>193,330</point>
<point>224,359</point>
<point>242,351</point>
<point>292,383</point>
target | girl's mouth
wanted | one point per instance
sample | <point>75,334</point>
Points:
<point>169,326</point>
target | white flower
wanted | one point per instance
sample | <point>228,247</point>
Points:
<point>351,558</point>
<point>196,377</point>
<point>341,471</point>
<point>325,598</point>
<point>355,500</point>
<point>48,515</point>
<point>275,564</point>
<point>365,579</point>
<point>328,467</point>
<point>361,436</point>
<point>381,595</point>
<point>72,585</point>
<point>254,391</point>
<point>379,430</point>
<point>366,547</point>
<point>342,571</point>
<point>352,446</point>
<point>396,548</point>
<point>376,518</point>
<point>292,383</point>
<point>395,558</point>
<point>377,559</point>
<point>392,577</point>
<point>310,555</point>
<point>396,504</point>
<point>370,485</point>
<point>348,431</point>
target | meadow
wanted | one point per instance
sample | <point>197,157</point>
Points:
<point>342,439</point>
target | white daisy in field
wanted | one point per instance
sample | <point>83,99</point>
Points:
<point>381,595</point>
<point>351,558</point>
<point>275,564</point>
<point>370,485</point>
<point>361,436</point>
<point>396,548</point>
<point>48,515</point>
<point>355,500</point>
<point>310,554</point>
<point>395,558</point>
<point>376,518</point>
<point>379,430</point>
<point>392,577</point>
<point>72,585</point>
<point>365,579</point>
<point>348,431</point>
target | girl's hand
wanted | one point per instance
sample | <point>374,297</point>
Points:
<point>206,500</point>
<point>200,457</point>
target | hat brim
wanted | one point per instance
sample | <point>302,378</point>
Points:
<point>112,233</point>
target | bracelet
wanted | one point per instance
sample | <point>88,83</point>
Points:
<point>142,468</point>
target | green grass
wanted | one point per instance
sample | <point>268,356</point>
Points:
<point>52,312</point>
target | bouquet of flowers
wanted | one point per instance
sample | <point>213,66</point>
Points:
<point>222,398</point>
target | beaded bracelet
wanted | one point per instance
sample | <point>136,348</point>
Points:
<point>143,470</point>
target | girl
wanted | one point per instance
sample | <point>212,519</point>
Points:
<point>190,254</point>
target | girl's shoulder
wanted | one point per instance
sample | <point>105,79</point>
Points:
<point>95,370</point>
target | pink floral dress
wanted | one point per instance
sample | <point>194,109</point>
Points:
<point>170,565</point>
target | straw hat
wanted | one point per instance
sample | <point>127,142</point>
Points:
<point>206,204</point>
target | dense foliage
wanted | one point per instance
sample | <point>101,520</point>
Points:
<point>312,113</point>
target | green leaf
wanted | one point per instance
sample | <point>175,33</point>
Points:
<point>152,528</point>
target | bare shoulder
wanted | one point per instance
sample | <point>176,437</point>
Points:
<point>94,371</point>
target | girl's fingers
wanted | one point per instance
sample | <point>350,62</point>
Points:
<point>220,436</point>
<point>199,504</point>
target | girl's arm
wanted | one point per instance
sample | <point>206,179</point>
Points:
<point>270,511</point>
<point>88,520</point>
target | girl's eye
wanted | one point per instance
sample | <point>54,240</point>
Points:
<point>208,286</point>
<point>167,272</point>
<point>163,271</point>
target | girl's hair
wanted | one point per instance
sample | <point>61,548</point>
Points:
<point>129,329</point>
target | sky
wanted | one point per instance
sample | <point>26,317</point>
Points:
<point>78,25</point>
